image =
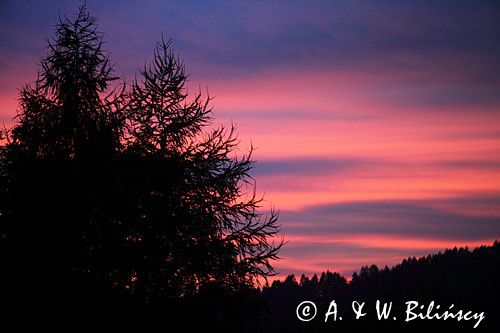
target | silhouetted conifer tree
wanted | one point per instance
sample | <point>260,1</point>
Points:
<point>194,226</point>
<point>58,157</point>
<point>126,187</point>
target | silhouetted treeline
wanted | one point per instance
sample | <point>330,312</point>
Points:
<point>467,279</point>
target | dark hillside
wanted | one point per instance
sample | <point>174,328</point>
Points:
<point>468,279</point>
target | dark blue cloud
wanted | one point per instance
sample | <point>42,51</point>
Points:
<point>305,166</point>
<point>307,250</point>
<point>417,218</point>
<point>317,166</point>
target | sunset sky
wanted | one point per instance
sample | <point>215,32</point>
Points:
<point>377,123</point>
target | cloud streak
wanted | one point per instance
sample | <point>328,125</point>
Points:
<point>377,125</point>
<point>345,236</point>
<point>419,218</point>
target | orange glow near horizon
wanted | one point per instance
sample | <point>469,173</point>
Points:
<point>394,154</point>
<point>344,149</point>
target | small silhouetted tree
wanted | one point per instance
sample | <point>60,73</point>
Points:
<point>127,187</point>
<point>193,224</point>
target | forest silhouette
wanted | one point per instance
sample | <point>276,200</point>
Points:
<point>123,207</point>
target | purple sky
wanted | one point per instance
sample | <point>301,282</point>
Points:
<point>377,123</point>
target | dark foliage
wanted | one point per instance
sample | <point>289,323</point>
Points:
<point>468,279</point>
<point>116,194</point>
